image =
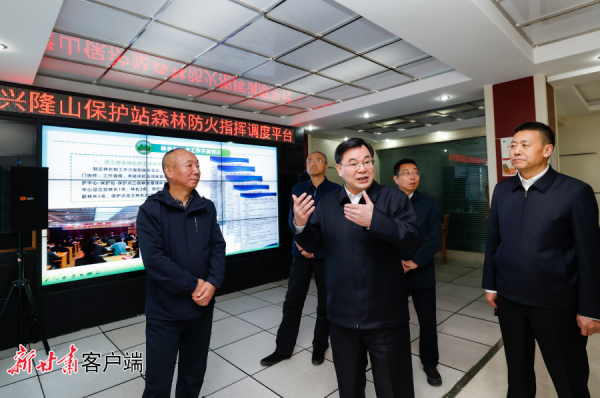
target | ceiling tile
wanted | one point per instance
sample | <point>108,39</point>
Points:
<point>200,77</point>
<point>128,81</point>
<point>215,98</point>
<point>280,96</point>
<point>252,105</point>
<point>275,73</point>
<point>525,11</point>
<point>407,125</point>
<point>147,65</point>
<point>311,103</point>
<point>172,43</point>
<point>343,93</point>
<point>365,126</point>
<point>216,19</point>
<point>178,91</point>
<point>245,88</point>
<point>82,50</point>
<point>353,69</point>
<point>315,16</point>
<point>468,114</point>
<point>230,60</point>
<point>361,35</point>
<point>383,80</point>
<point>261,4</point>
<point>312,84</point>
<point>268,38</point>
<point>589,91</point>
<point>396,54</point>
<point>383,130</point>
<point>316,55</point>
<point>69,70</point>
<point>283,111</point>
<point>146,8</point>
<point>425,68</point>
<point>91,20</point>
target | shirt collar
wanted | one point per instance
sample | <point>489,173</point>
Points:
<point>351,196</point>
<point>532,180</point>
<point>322,185</point>
<point>411,195</point>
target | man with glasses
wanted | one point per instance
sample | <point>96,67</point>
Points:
<point>362,229</point>
<point>303,266</point>
<point>418,264</point>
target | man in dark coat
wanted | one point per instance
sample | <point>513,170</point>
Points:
<point>184,255</point>
<point>362,228</point>
<point>419,267</point>
<point>542,267</point>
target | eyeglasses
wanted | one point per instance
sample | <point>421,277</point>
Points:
<point>309,161</point>
<point>367,164</point>
<point>406,174</point>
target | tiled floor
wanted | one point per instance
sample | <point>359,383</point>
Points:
<point>244,328</point>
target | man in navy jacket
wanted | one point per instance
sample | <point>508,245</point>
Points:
<point>542,267</point>
<point>184,255</point>
<point>418,265</point>
<point>362,228</point>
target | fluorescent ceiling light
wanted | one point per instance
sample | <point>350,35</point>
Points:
<point>444,98</point>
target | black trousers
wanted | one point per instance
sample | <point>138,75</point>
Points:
<point>424,301</point>
<point>164,339</point>
<point>298,284</point>
<point>561,343</point>
<point>391,360</point>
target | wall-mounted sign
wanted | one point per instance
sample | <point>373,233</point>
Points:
<point>508,169</point>
<point>466,159</point>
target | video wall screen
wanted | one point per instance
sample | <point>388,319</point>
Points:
<point>98,180</point>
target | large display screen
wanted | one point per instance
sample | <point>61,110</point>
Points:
<point>98,180</point>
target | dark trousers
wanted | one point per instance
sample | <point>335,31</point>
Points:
<point>424,301</point>
<point>561,343</point>
<point>164,339</point>
<point>298,284</point>
<point>391,360</point>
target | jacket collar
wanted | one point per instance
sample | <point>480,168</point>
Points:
<point>198,202</point>
<point>541,185</point>
<point>417,196</point>
<point>372,191</point>
<point>322,186</point>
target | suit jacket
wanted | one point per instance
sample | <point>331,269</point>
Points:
<point>429,220</point>
<point>543,245</point>
<point>364,281</point>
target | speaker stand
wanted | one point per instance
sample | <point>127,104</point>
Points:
<point>21,286</point>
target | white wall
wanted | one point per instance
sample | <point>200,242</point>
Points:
<point>328,148</point>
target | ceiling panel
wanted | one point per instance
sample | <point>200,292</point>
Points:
<point>361,35</point>
<point>589,91</point>
<point>353,69</point>
<point>147,65</point>
<point>81,50</point>
<point>172,43</point>
<point>343,93</point>
<point>283,111</point>
<point>407,125</point>
<point>315,16</point>
<point>312,84</point>
<point>216,19</point>
<point>253,105</point>
<point>262,5</point>
<point>146,8</point>
<point>245,88</point>
<point>365,126</point>
<point>468,114</point>
<point>316,55</point>
<point>425,68</point>
<point>230,60</point>
<point>128,81</point>
<point>69,70</point>
<point>91,20</point>
<point>201,77</point>
<point>275,73</point>
<point>268,38</point>
<point>529,10</point>
<point>280,96</point>
<point>311,103</point>
<point>383,80</point>
<point>178,91</point>
<point>215,98</point>
<point>396,54</point>
<point>577,22</point>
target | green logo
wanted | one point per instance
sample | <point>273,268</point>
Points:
<point>143,147</point>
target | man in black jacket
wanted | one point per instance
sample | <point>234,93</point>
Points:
<point>362,228</point>
<point>542,267</point>
<point>184,255</point>
<point>419,267</point>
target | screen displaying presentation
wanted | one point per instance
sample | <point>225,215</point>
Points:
<point>98,180</point>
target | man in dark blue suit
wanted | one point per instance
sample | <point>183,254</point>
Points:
<point>418,264</point>
<point>542,267</point>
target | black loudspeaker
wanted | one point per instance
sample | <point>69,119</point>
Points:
<point>24,193</point>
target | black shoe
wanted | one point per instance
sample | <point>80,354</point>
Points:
<point>318,357</point>
<point>273,359</point>
<point>433,376</point>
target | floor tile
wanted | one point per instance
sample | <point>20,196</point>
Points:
<point>219,374</point>
<point>482,299</point>
<point>453,269</point>
<point>8,353</point>
<point>123,323</point>
<point>440,315</point>
<point>229,296</point>
<point>473,281</point>
<point>423,390</point>
<point>246,388</point>
<point>328,352</point>
<point>439,284</point>
<point>239,305</point>
<point>472,329</point>
<point>6,379</point>
<point>412,313</point>
<point>28,388</point>
<point>466,263</point>
<point>455,352</point>
<point>310,305</point>
<point>498,361</point>
<point>128,336</point>
<point>369,391</point>
<point>476,273</point>
<point>247,353</point>
<point>275,295</point>
<point>445,276</point>
<point>298,378</point>
<point>140,349</point>
<point>282,283</point>
<point>312,288</point>
<point>450,289</point>
<point>218,315</point>
<point>414,331</point>
<point>260,288</point>
<point>131,388</point>
<point>480,310</point>
<point>229,330</point>
<point>71,337</point>
<point>450,303</point>
<point>264,318</point>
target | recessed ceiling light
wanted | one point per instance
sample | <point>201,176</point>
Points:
<point>360,131</point>
<point>366,115</point>
<point>190,95</point>
<point>146,91</point>
<point>256,111</point>
<point>481,108</point>
<point>387,140</point>
<point>401,129</point>
<point>412,121</point>
<point>338,101</point>
<point>310,128</point>
<point>445,150</point>
<point>225,106</point>
<point>3,46</point>
<point>444,98</point>
<point>376,133</point>
<point>458,118</point>
<point>283,117</point>
<point>374,91</point>
<point>428,125</point>
<point>345,138</point>
<point>249,96</point>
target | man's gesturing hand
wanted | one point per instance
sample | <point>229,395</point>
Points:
<point>360,214</point>
<point>303,207</point>
<point>205,294</point>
